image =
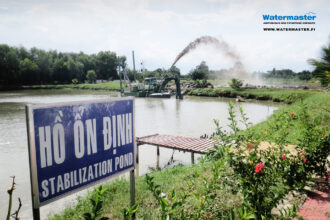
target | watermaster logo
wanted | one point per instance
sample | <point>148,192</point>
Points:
<point>309,16</point>
<point>278,22</point>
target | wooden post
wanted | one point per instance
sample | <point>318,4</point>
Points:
<point>192,158</point>
<point>157,157</point>
<point>35,211</point>
<point>137,154</point>
<point>137,160</point>
<point>132,189</point>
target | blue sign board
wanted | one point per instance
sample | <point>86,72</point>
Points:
<point>73,145</point>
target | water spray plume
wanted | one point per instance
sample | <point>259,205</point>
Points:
<point>237,71</point>
<point>222,45</point>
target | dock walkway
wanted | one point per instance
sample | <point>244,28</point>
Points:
<point>187,144</point>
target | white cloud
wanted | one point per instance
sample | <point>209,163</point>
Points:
<point>158,30</point>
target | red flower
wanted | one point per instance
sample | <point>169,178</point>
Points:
<point>283,156</point>
<point>303,155</point>
<point>291,114</point>
<point>259,167</point>
<point>328,176</point>
<point>249,146</point>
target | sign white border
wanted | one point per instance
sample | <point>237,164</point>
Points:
<point>32,148</point>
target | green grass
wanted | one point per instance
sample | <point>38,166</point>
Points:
<point>276,95</point>
<point>117,196</point>
<point>110,86</point>
<point>316,104</point>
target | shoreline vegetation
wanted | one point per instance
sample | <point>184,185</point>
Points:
<point>108,86</point>
<point>271,94</point>
<point>286,95</point>
<point>192,178</point>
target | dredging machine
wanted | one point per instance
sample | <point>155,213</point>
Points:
<point>151,87</point>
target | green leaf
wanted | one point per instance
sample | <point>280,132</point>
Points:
<point>87,216</point>
<point>134,208</point>
<point>98,206</point>
<point>164,201</point>
<point>213,196</point>
<point>93,202</point>
<point>176,204</point>
<point>103,191</point>
<point>173,193</point>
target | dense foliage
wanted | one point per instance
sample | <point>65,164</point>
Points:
<point>288,74</point>
<point>322,67</point>
<point>263,176</point>
<point>36,66</point>
<point>200,72</point>
<point>236,84</point>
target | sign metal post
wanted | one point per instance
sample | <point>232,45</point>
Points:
<point>73,146</point>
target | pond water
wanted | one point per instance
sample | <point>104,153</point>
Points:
<point>190,117</point>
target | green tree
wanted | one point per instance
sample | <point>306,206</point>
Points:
<point>29,71</point>
<point>322,66</point>
<point>305,75</point>
<point>284,73</point>
<point>106,65</point>
<point>44,61</point>
<point>22,53</point>
<point>75,69</point>
<point>35,66</point>
<point>91,76</point>
<point>175,70</point>
<point>236,84</point>
<point>9,65</point>
<point>89,62</point>
<point>201,71</point>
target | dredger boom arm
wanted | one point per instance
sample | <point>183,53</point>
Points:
<point>167,79</point>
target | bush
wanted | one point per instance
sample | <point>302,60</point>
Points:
<point>267,174</point>
<point>200,72</point>
<point>75,81</point>
<point>91,76</point>
<point>236,84</point>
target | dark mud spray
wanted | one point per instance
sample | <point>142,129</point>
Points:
<point>221,45</point>
<point>236,71</point>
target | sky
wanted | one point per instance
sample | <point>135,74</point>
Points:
<point>157,30</point>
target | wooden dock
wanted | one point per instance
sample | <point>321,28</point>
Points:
<point>187,144</point>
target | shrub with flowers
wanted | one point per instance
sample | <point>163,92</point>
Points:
<point>262,174</point>
<point>266,174</point>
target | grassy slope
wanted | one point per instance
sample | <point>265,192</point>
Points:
<point>318,105</point>
<point>277,95</point>
<point>118,191</point>
<point>118,196</point>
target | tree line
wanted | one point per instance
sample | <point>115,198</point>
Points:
<point>202,71</point>
<point>288,74</point>
<point>20,66</point>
